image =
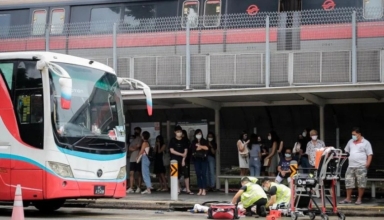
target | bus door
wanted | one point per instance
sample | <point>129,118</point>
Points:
<point>6,111</point>
<point>288,34</point>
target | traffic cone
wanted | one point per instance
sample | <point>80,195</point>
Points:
<point>18,208</point>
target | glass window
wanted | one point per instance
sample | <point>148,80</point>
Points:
<point>39,20</point>
<point>27,76</point>
<point>136,15</point>
<point>6,69</point>
<point>373,9</point>
<point>212,13</point>
<point>5,23</point>
<point>191,12</point>
<point>57,21</point>
<point>29,108</point>
<point>102,19</point>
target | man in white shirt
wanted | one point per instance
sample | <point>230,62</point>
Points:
<point>360,157</point>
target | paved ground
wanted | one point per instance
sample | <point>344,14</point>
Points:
<point>86,214</point>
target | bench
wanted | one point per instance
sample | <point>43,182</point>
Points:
<point>226,178</point>
<point>373,186</point>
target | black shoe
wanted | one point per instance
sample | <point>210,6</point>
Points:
<point>248,214</point>
<point>263,212</point>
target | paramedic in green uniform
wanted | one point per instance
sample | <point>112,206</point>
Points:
<point>280,194</point>
<point>251,194</point>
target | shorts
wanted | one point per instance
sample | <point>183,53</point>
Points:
<point>183,171</point>
<point>353,174</point>
<point>135,167</point>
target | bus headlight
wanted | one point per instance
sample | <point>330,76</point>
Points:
<point>61,169</point>
<point>122,173</point>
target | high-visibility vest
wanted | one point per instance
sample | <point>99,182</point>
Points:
<point>283,193</point>
<point>253,193</point>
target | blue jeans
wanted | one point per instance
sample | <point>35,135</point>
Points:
<point>305,164</point>
<point>145,163</point>
<point>201,167</point>
<point>211,178</point>
<point>254,166</point>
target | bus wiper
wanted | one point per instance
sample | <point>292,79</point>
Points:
<point>82,138</point>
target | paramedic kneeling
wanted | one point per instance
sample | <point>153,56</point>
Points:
<point>280,194</point>
<point>251,194</point>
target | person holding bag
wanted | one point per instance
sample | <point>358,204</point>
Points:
<point>199,147</point>
<point>242,147</point>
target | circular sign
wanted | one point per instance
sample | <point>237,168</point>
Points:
<point>329,5</point>
<point>253,10</point>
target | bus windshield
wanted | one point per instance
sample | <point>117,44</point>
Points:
<point>95,109</point>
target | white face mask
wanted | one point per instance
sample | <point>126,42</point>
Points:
<point>179,134</point>
<point>304,134</point>
<point>314,137</point>
<point>269,137</point>
<point>210,139</point>
<point>198,136</point>
<point>265,188</point>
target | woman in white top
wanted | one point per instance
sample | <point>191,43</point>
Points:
<point>312,146</point>
<point>242,148</point>
<point>145,162</point>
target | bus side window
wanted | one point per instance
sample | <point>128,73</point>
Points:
<point>39,20</point>
<point>5,23</point>
<point>102,19</point>
<point>212,13</point>
<point>373,9</point>
<point>190,10</point>
<point>6,70</point>
<point>57,20</point>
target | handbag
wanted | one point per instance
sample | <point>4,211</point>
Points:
<point>201,155</point>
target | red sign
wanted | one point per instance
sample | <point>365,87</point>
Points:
<point>253,9</point>
<point>112,134</point>
<point>329,5</point>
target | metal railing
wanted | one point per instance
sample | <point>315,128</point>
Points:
<point>266,50</point>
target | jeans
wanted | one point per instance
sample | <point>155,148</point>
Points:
<point>305,164</point>
<point>211,178</point>
<point>201,167</point>
<point>145,163</point>
<point>254,166</point>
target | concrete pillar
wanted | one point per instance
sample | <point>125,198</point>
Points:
<point>167,169</point>
<point>322,136</point>
<point>218,152</point>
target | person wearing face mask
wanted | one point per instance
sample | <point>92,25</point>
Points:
<point>251,194</point>
<point>211,161</point>
<point>304,163</point>
<point>242,148</point>
<point>134,149</point>
<point>280,194</point>
<point>254,156</point>
<point>264,154</point>
<point>312,146</point>
<point>359,160</point>
<point>178,147</point>
<point>199,147</point>
<point>283,168</point>
<point>273,155</point>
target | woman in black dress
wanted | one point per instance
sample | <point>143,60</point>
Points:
<point>159,168</point>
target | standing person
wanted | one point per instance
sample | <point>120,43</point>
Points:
<point>264,154</point>
<point>199,147</point>
<point>242,148</point>
<point>254,156</point>
<point>360,158</point>
<point>273,155</point>
<point>312,146</point>
<point>212,145</point>
<point>159,168</point>
<point>296,148</point>
<point>188,159</point>
<point>179,149</point>
<point>135,168</point>
<point>145,162</point>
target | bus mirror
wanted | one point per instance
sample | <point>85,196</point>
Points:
<point>66,92</point>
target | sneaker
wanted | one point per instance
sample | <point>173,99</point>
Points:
<point>130,190</point>
<point>145,192</point>
<point>138,190</point>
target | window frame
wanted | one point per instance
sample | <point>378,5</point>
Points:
<point>218,16</point>
<point>182,13</point>
<point>33,22</point>
<point>50,21</point>
<point>99,7</point>
<point>368,18</point>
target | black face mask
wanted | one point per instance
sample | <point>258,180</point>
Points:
<point>137,134</point>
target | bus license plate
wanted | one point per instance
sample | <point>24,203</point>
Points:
<point>99,190</point>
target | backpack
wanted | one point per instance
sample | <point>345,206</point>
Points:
<point>151,154</point>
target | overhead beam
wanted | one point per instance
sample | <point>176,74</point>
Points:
<point>204,102</point>
<point>312,99</point>
<point>157,102</point>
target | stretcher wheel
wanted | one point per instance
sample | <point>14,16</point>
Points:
<point>294,216</point>
<point>341,216</point>
<point>311,215</point>
<point>324,217</point>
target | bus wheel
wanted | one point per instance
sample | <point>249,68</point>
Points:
<point>49,205</point>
